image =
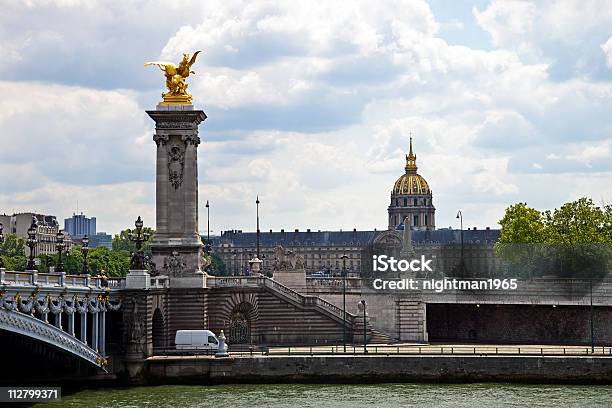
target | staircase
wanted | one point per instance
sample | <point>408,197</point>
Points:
<point>307,302</point>
<point>377,337</point>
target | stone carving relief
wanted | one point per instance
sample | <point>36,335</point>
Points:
<point>135,324</point>
<point>176,165</point>
<point>174,264</point>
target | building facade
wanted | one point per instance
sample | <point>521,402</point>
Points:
<point>322,251</point>
<point>101,239</point>
<point>46,234</point>
<point>79,225</point>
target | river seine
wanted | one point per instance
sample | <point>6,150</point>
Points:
<point>321,396</point>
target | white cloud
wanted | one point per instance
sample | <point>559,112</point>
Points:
<point>607,49</point>
<point>310,105</point>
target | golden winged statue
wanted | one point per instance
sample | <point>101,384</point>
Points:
<point>175,79</point>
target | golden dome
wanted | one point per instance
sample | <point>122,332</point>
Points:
<point>411,182</point>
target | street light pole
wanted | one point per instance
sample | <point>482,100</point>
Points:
<point>207,246</point>
<point>31,243</point>
<point>257,203</point>
<point>85,252</point>
<point>60,246</point>
<point>344,258</point>
<point>1,242</point>
<point>460,217</point>
<point>365,333</point>
<point>591,317</point>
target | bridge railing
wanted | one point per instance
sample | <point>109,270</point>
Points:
<point>234,281</point>
<point>58,280</point>
<point>158,282</point>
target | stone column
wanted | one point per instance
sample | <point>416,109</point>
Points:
<point>94,331</point>
<point>84,327</point>
<point>177,247</point>
<point>102,336</point>
<point>71,323</point>
<point>58,320</point>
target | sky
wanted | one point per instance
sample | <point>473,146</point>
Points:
<point>310,105</point>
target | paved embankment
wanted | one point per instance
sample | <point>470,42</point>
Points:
<point>378,368</point>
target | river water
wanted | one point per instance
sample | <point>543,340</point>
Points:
<point>322,396</point>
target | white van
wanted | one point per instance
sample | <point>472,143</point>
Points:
<point>196,340</point>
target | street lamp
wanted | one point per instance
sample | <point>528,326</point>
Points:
<point>460,217</point>
<point>138,237</point>
<point>85,252</point>
<point>207,246</point>
<point>1,242</point>
<point>591,317</point>
<point>344,258</point>
<point>257,204</point>
<point>60,246</point>
<point>362,305</point>
<point>31,243</point>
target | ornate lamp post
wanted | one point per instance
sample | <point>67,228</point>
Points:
<point>460,217</point>
<point>138,237</point>
<point>344,258</point>
<point>31,243</point>
<point>362,305</point>
<point>60,246</point>
<point>207,247</point>
<point>85,252</point>
<point>1,242</point>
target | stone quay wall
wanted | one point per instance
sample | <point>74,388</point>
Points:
<point>372,369</point>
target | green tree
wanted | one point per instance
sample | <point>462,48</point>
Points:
<point>13,253</point>
<point>114,263</point>
<point>217,267</point>
<point>571,241</point>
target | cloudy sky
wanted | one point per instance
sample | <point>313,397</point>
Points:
<point>310,105</point>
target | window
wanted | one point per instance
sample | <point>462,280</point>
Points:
<point>212,339</point>
<point>415,202</point>
<point>415,220</point>
<point>405,202</point>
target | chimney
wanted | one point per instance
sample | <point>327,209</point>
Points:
<point>297,230</point>
<point>308,230</point>
<point>282,230</point>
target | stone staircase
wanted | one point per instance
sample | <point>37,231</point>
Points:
<point>377,337</point>
<point>308,302</point>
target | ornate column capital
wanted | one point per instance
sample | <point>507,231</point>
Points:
<point>160,139</point>
<point>191,139</point>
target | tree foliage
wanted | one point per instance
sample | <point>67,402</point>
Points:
<point>573,241</point>
<point>217,268</point>
<point>13,253</point>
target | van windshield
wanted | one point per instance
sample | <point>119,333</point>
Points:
<point>212,339</point>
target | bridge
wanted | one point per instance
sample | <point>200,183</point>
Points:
<point>67,312</point>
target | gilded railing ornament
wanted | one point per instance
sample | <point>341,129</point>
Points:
<point>175,79</point>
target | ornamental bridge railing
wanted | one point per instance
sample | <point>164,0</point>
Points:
<point>54,308</point>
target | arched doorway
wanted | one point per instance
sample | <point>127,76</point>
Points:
<point>239,330</point>
<point>157,331</point>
